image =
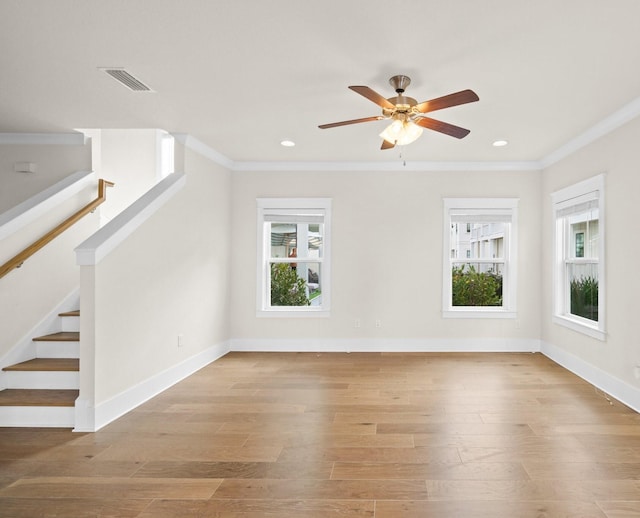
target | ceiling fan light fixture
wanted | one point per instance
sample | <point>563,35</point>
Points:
<point>407,115</point>
<point>401,132</point>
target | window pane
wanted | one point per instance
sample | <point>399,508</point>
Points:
<point>476,284</point>
<point>286,238</point>
<point>314,286</point>
<point>480,240</point>
<point>584,234</point>
<point>593,238</point>
<point>283,239</point>
<point>296,284</point>
<point>583,290</point>
<point>314,240</point>
<point>579,242</point>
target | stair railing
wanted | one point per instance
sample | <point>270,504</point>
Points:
<point>16,261</point>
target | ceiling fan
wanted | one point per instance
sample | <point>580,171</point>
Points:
<point>407,115</point>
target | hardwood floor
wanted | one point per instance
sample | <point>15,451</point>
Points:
<point>345,435</point>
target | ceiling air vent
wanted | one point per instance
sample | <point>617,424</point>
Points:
<point>124,77</point>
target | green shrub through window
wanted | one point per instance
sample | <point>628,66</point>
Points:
<point>473,288</point>
<point>584,297</point>
<point>287,289</point>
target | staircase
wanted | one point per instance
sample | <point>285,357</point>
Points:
<point>41,392</point>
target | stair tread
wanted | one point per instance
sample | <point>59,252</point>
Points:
<point>62,336</point>
<point>38,397</point>
<point>46,364</point>
<point>75,313</point>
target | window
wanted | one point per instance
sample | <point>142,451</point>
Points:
<point>294,256</point>
<point>165,152</point>
<point>578,213</point>
<point>479,278</point>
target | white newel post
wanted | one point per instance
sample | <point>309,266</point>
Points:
<point>85,404</point>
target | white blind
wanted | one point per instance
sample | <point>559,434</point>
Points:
<point>294,218</point>
<point>580,204</point>
<point>481,215</point>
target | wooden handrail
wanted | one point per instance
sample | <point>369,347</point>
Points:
<point>16,262</point>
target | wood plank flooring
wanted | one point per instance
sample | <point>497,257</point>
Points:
<point>345,435</point>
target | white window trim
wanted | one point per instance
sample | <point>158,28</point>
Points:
<point>291,205</point>
<point>508,310</point>
<point>559,200</point>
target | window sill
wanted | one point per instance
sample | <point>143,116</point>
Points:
<point>289,313</point>
<point>580,327</point>
<point>479,313</point>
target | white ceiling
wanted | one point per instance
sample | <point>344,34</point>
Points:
<point>242,75</point>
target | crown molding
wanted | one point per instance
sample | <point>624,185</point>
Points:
<point>205,150</point>
<point>626,114</point>
<point>396,166</point>
<point>43,139</point>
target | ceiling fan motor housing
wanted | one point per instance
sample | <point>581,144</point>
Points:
<point>400,83</point>
<point>403,104</point>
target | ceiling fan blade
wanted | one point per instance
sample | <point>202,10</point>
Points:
<point>353,121</point>
<point>442,127</point>
<point>387,145</point>
<point>462,97</point>
<point>367,92</point>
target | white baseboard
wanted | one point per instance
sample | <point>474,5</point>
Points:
<point>386,345</point>
<point>618,389</point>
<point>91,419</point>
<point>84,416</point>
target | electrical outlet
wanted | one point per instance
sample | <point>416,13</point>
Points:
<point>180,340</point>
<point>356,322</point>
<point>378,323</point>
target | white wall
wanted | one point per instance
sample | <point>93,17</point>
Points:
<point>387,255</point>
<point>128,158</point>
<point>169,278</point>
<point>53,162</point>
<point>618,156</point>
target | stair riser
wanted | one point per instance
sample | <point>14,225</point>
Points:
<point>70,324</point>
<point>58,349</point>
<point>42,380</point>
<point>37,416</point>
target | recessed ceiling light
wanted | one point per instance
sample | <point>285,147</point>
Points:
<point>287,143</point>
<point>500,143</point>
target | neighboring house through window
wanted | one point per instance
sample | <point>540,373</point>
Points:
<point>294,243</point>
<point>578,216</point>
<point>479,278</point>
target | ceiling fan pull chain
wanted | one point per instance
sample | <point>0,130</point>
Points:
<point>404,162</point>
